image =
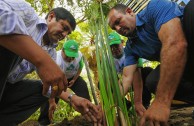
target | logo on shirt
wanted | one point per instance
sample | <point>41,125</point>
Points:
<point>71,67</point>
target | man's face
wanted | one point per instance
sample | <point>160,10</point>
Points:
<point>57,30</point>
<point>124,24</point>
<point>117,50</point>
<point>67,58</point>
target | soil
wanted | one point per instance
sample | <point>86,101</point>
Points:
<point>180,116</point>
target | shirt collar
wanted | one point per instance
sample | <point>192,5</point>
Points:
<point>139,21</point>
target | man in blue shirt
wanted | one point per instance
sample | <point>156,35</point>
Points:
<point>156,33</point>
<point>117,49</point>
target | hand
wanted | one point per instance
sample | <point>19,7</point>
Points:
<point>139,108</point>
<point>71,83</point>
<point>52,108</point>
<point>100,117</point>
<point>90,111</point>
<point>51,74</point>
<point>156,115</point>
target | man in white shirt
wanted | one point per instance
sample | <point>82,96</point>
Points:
<point>71,63</point>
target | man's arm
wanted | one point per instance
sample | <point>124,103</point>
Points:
<point>74,78</point>
<point>90,111</point>
<point>25,47</point>
<point>127,78</point>
<point>138,89</point>
<point>81,64</point>
<point>173,59</point>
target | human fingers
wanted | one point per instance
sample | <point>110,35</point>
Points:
<point>92,116</point>
<point>60,88</point>
<point>98,113</point>
<point>51,112</point>
<point>50,115</point>
<point>151,123</point>
<point>86,116</point>
<point>65,83</point>
<point>95,109</point>
<point>164,124</point>
<point>99,124</point>
<point>141,111</point>
<point>142,121</point>
<point>69,85</point>
<point>156,123</point>
<point>45,88</point>
<point>54,90</point>
<point>95,124</point>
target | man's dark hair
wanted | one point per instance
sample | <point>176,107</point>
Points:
<point>120,8</point>
<point>62,13</point>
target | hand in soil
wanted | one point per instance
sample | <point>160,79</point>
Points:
<point>140,109</point>
<point>156,115</point>
<point>52,108</point>
<point>90,111</point>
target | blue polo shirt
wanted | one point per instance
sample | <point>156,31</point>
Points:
<point>146,43</point>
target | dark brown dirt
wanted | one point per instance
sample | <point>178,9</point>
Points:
<point>179,117</point>
<point>182,117</point>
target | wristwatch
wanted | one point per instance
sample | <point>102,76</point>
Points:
<point>69,98</point>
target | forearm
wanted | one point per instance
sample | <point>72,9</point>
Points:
<point>77,75</point>
<point>138,86</point>
<point>64,96</point>
<point>25,47</point>
<point>171,69</point>
<point>125,85</point>
<point>173,59</point>
<point>127,79</point>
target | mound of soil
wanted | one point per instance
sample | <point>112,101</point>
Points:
<point>179,117</point>
<point>77,121</point>
<point>182,117</point>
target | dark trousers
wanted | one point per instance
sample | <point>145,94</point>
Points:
<point>7,62</point>
<point>188,25</point>
<point>20,101</point>
<point>184,91</point>
<point>146,95</point>
<point>79,88</point>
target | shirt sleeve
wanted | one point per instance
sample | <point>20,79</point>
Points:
<point>161,11</point>
<point>130,59</point>
<point>21,71</point>
<point>10,20</point>
<point>81,63</point>
<point>140,62</point>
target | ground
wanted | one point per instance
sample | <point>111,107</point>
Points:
<point>180,116</point>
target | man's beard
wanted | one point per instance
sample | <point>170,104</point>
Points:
<point>119,56</point>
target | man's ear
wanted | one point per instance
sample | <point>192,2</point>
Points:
<point>51,16</point>
<point>129,10</point>
<point>122,42</point>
